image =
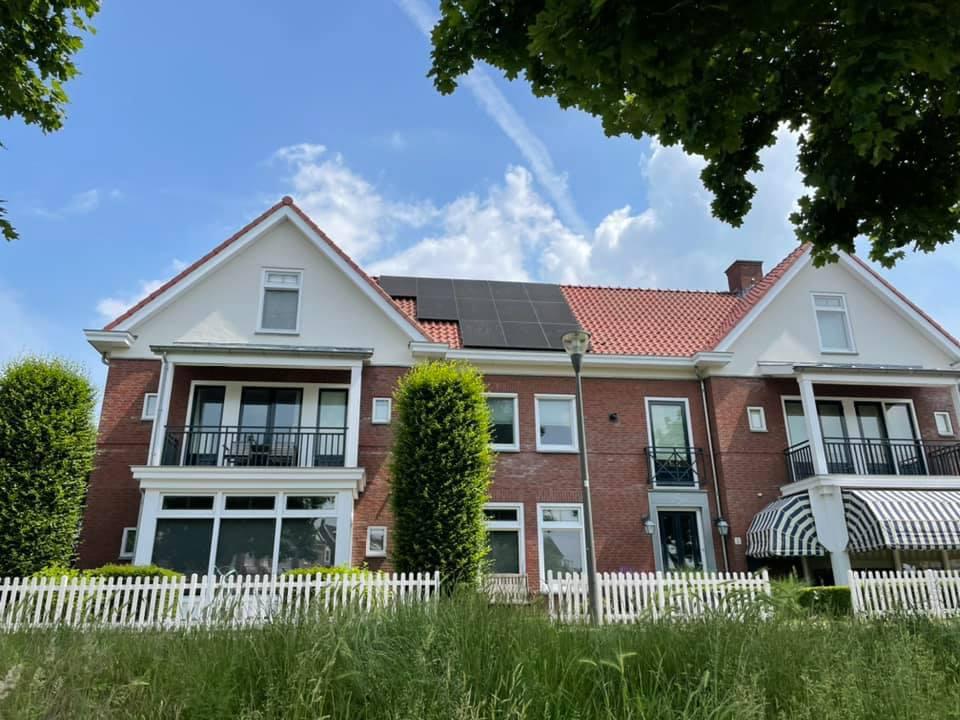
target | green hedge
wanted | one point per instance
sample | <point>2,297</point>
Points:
<point>826,600</point>
<point>108,571</point>
<point>337,571</point>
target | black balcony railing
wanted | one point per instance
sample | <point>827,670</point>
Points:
<point>224,446</point>
<point>674,466</point>
<point>862,456</point>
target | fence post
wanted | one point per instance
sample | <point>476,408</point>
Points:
<point>933,590</point>
<point>856,603</point>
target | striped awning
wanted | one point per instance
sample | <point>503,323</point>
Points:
<point>902,519</point>
<point>784,528</point>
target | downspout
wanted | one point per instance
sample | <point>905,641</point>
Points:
<point>713,464</point>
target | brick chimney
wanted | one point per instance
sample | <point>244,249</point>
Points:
<point>743,275</point>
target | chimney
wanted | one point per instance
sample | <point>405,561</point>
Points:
<point>743,275</point>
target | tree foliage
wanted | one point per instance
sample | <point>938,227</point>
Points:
<point>38,39</point>
<point>872,86</point>
<point>441,469</point>
<point>47,440</point>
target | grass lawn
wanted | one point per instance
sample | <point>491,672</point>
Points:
<point>463,659</point>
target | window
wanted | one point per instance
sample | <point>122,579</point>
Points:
<point>944,423</point>
<point>505,534</point>
<point>376,541</point>
<point>128,542</point>
<point>245,534</point>
<point>562,548</point>
<point>757,419</point>
<point>555,429</point>
<point>149,407</point>
<point>680,545</point>
<point>382,410</point>
<point>671,456</point>
<point>280,303</point>
<point>506,430</point>
<point>833,323</point>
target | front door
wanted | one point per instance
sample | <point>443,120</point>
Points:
<point>680,547</point>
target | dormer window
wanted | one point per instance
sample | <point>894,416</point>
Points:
<point>280,301</point>
<point>833,323</point>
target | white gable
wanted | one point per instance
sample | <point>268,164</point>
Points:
<point>884,331</point>
<point>223,305</point>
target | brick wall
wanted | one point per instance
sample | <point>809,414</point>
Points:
<point>751,465</point>
<point>113,499</point>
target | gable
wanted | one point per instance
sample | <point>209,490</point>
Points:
<point>885,332</point>
<point>223,305</point>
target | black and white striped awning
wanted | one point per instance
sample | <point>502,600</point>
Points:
<point>902,519</point>
<point>784,528</point>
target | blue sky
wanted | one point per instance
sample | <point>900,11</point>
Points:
<point>189,119</point>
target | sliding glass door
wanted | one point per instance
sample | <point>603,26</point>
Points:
<point>269,431</point>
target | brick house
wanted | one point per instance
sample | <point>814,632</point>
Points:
<point>802,418</point>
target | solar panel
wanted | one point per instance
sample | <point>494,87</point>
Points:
<point>434,287</point>
<point>525,335</point>
<point>477,309</point>
<point>399,286</point>
<point>516,311</point>
<point>507,290</point>
<point>472,289</point>
<point>482,333</point>
<point>556,331</point>
<point>541,291</point>
<point>553,312</point>
<point>437,308</point>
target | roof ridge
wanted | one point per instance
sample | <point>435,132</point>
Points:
<point>621,288</point>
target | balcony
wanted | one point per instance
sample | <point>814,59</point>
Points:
<point>846,456</point>
<point>232,446</point>
<point>674,466</point>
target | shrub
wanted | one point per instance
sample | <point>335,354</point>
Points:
<point>826,600</point>
<point>47,440</point>
<point>440,472</point>
<point>336,571</point>
<point>124,571</point>
<point>56,571</point>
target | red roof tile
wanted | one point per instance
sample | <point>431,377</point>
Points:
<point>442,331</point>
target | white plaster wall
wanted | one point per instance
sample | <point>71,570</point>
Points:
<point>786,330</point>
<point>223,306</point>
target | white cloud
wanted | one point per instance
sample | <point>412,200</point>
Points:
<point>112,307</point>
<point>81,203</point>
<point>496,105</point>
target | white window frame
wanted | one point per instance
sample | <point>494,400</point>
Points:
<point>127,554</point>
<point>845,311</point>
<point>377,553</point>
<point>694,461</point>
<point>510,526</point>
<point>699,516</point>
<point>849,413</point>
<point>144,415</point>
<point>944,423</point>
<point>264,286</point>
<point>574,446</point>
<point>278,514</point>
<point>559,526</point>
<point>515,446</point>
<point>762,427</point>
<point>373,410</point>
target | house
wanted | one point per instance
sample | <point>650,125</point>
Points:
<point>802,418</point>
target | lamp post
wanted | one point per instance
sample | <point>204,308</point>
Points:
<point>576,344</point>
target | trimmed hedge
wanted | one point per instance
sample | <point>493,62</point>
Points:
<point>108,571</point>
<point>47,442</point>
<point>826,600</point>
<point>440,472</point>
<point>336,571</point>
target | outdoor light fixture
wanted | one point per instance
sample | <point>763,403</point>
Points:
<point>649,526</point>
<point>723,527</point>
<point>576,343</point>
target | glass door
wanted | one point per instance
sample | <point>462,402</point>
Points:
<point>680,540</point>
<point>874,456</point>
<point>833,428</point>
<point>330,442</point>
<point>205,433</point>
<point>269,431</point>
<point>905,446</point>
<point>671,454</point>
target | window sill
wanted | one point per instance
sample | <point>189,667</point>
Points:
<point>263,331</point>
<point>505,448</point>
<point>559,451</point>
<point>838,352</point>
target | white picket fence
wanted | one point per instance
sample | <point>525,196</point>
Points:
<point>934,593</point>
<point>629,597</point>
<point>200,601</point>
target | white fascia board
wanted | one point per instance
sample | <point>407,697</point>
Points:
<point>195,478</point>
<point>560,359</point>
<point>433,350</point>
<point>865,377</point>
<point>106,340</point>
<point>904,309</point>
<point>272,360</point>
<point>827,484</point>
<point>731,337</point>
<point>283,213</point>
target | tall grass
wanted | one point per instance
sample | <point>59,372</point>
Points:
<point>464,659</point>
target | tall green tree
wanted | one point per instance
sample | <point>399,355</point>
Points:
<point>38,39</point>
<point>440,472</point>
<point>872,86</point>
<point>47,442</point>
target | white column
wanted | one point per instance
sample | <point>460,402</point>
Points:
<point>147,527</point>
<point>812,421</point>
<point>353,417</point>
<point>159,432</point>
<point>826,502</point>
<point>343,553</point>
<point>840,565</point>
<point>955,396</point>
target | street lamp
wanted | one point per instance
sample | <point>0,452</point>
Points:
<point>576,343</point>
